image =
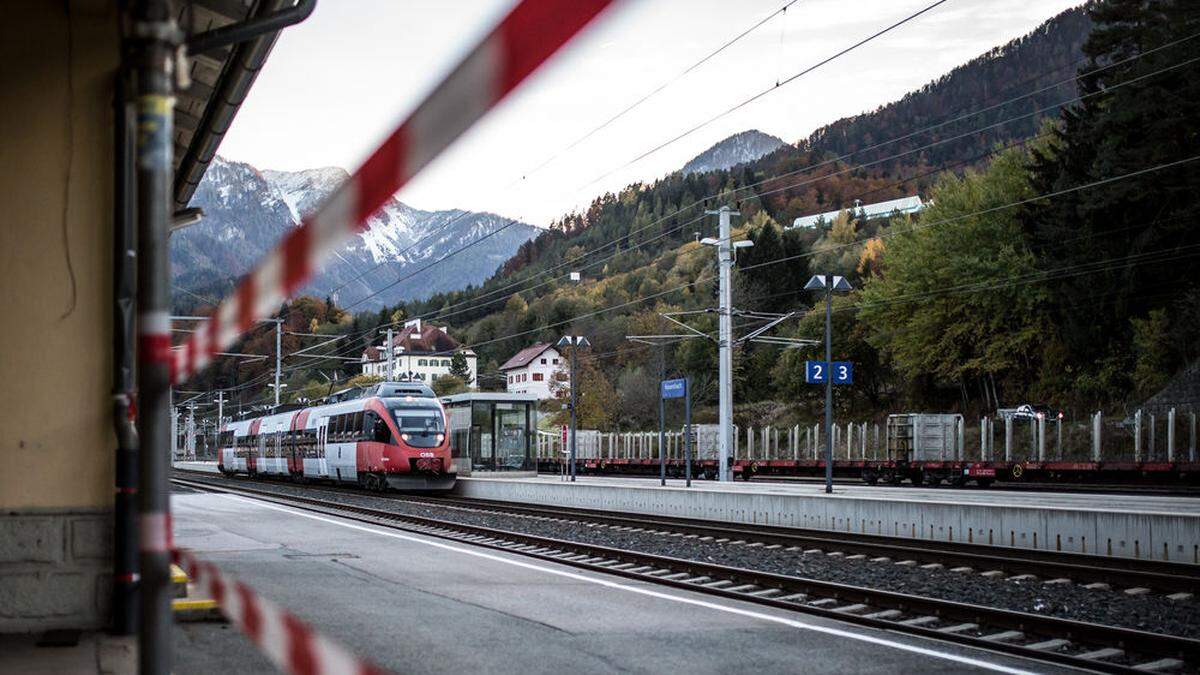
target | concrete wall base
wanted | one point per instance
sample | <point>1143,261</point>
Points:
<point>55,569</point>
<point>1161,536</point>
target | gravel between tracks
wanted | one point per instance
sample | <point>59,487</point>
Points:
<point>1148,612</point>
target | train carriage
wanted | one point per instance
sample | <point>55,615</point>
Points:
<point>378,442</point>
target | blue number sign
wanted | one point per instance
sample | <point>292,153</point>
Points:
<point>843,372</point>
<point>815,372</point>
<point>674,388</point>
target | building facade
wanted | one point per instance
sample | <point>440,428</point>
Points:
<point>539,370</point>
<point>420,353</point>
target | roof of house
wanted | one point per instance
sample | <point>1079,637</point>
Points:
<point>868,211</point>
<point>523,357</point>
<point>412,339</point>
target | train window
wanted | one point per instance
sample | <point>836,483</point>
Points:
<point>356,426</point>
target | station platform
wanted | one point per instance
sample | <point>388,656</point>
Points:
<point>1152,526</point>
<point>417,604</point>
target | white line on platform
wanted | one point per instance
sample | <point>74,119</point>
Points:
<point>924,651</point>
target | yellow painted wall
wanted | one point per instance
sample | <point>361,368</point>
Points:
<point>56,439</point>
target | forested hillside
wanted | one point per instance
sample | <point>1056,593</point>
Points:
<point>1055,263</point>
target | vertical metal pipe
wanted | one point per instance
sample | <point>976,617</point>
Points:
<point>278,357</point>
<point>1137,436</point>
<point>574,402</point>
<point>828,383</point>
<point>391,369</point>
<point>1008,438</point>
<point>1192,437</point>
<point>725,342</point>
<point>125,544</point>
<point>1097,427</point>
<point>156,35</point>
<point>687,423</point>
<point>1041,438</point>
<point>1150,454</point>
<point>1171,435</point>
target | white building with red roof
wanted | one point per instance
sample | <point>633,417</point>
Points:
<point>420,353</point>
<point>539,370</point>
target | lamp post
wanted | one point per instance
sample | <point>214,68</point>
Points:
<point>575,342</point>
<point>830,284</point>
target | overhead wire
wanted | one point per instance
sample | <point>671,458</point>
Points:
<point>755,97</point>
<point>842,158</point>
<point>909,135</point>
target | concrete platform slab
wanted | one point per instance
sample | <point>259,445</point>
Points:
<point>1163,528</point>
<point>417,604</point>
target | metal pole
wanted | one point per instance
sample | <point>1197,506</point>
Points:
<point>391,372</point>
<point>574,402</point>
<point>1171,435</point>
<point>1137,436</point>
<point>125,543</point>
<point>725,341</point>
<point>1097,421</point>
<point>155,41</point>
<point>1041,438</point>
<point>1150,455</point>
<point>687,422</point>
<point>278,358</point>
<point>1008,438</point>
<point>662,435</point>
<point>828,383</point>
<point>1192,438</point>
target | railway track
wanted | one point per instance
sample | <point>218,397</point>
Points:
<point>1049,639</point>
<point>1133,576</point>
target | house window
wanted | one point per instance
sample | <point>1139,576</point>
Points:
<point>543,362</point>
<point>556,362</point>
<point>422,362</point>
<point>510,379</point>
<point>537,377</point>
<point>445,363</point>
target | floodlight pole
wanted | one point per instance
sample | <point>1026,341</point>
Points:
<point>725,338</point>
<point>574,404</point>
<point>828,384</point>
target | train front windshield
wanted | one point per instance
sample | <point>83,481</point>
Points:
<point>420,422</point>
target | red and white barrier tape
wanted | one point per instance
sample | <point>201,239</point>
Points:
<point>290,643</point>
<point>532,32</point>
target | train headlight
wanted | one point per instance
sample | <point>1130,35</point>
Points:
<point>441,437</point>
<point>404,436</point>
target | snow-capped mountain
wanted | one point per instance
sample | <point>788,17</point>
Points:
<point>737,149</point>
<point>246,211</point>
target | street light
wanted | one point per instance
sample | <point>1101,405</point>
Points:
<point>830,284</point>
<point>576,342</point>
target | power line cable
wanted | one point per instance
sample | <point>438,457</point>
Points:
<point>764,92</point>
<point>659,88</point>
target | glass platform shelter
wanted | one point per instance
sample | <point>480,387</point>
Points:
<point>493,432</point>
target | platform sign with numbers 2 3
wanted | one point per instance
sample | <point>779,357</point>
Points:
<point>815,372</point>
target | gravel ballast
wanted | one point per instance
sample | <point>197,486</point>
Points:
<point>1150,612</point>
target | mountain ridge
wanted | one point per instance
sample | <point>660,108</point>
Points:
<point>248,210</point>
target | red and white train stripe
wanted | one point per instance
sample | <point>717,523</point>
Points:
<point>532,32</point>
<point>290,643</point>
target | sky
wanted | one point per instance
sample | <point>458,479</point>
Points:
<point>337,84</point>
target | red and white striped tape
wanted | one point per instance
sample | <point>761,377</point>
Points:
<point>526,38</point>
<point>290,643</point>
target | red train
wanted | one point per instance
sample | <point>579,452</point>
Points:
<point>394,437</point>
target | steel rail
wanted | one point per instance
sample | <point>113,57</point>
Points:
<point>1161,576</point>
<point>1032,636</point>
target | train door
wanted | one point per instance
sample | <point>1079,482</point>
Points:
<point>322,438</point>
